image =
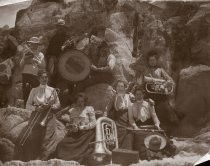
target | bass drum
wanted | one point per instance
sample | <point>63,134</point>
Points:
<point>74,65</point>
<point>148,142</point>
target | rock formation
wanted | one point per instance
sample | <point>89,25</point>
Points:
<point>181,36</point>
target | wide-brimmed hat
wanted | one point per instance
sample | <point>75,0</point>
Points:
<point>34,40</point>
<point>155,142</point>
<point>61,22</point>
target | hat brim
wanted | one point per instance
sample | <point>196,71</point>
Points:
<point>148,138</point>
<point>33,42</point>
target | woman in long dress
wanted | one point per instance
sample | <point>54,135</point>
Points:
<point>142,113</point>
<point>81,121</point>
<point>119,114</point>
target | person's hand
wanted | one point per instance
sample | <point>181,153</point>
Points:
<point>62,48</point>
<point>65,118</point>
<point>81,127</point>
<point>135,127</point>
<point>93,67</point>
<point>151,102</point>
<point>158,127</point>
<point>75,128</point>
<point>45,107</point>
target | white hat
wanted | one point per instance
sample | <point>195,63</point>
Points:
<point>34,40</point>
<point>61,22</point>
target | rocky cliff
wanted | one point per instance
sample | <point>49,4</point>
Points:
<point>179,30</point>
<point>131,29</point>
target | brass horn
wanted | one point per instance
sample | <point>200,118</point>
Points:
<point>106,138</point>
<point>44,121</point>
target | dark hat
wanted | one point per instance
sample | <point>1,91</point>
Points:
<point>155,142</point>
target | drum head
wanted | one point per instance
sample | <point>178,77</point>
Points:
<point>74,65</point>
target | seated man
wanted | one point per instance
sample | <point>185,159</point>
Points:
<point>81,122</point>
<point>41,139</point>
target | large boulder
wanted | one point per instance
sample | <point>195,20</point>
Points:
<point>193,99</point>
<point>198,25</point>
<point>13,120</point>
<point>103,92</point>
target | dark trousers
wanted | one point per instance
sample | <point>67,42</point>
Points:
<point>29,81</point>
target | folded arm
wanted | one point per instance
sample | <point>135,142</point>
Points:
<point>131,117</point>
<point>154,115</point>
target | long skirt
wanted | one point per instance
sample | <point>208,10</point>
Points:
<point>75,146</point>
<point>125,138</point>
<point>42,141</point>
<point>30,150</point>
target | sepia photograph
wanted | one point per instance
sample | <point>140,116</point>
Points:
<point>104,82</point>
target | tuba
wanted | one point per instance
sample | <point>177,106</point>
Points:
<point>158,86</point>
<point>106,138</point>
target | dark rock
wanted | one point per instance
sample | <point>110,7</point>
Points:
<point>193,100</point>
<point>7,150</point>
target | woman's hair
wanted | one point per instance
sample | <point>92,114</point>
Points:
<point>120,81</point>
<point>83,96</point>
<point>138,88</point>
<point>104,44</point>
<point>41,72</point>
<point>97,29</point>
<point>152,53</point>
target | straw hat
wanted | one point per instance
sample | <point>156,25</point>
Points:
<point>155,142</point>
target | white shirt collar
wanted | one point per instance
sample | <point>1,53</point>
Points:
<point>42,86</point>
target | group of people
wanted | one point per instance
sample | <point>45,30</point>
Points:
<point>130,108</point>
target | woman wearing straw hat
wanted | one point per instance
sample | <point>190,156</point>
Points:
<point>32,60</point>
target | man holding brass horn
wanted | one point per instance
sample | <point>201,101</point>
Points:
<point>31,61</point>
<point>40,134</point>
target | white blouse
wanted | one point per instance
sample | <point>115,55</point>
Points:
<point>84,118</point>
<point>42,95</point>
<point>142,111</point>
<point>122,100</point>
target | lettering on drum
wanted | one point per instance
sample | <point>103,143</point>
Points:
<point>74,65</point>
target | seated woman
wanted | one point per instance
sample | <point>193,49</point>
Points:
<point>119,114</point>
<point>81,122</point>
<point>142,112</point>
